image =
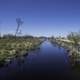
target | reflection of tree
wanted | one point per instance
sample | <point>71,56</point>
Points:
<point>21,60</point>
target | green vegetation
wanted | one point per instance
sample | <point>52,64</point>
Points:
<point>11,46</point>
<point>72,44</point>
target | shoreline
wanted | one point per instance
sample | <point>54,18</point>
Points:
<point>73,54</point>
<point>12,48</point>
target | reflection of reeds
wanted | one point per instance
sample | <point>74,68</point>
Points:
<point>72,50</point>
<point>11,48</point>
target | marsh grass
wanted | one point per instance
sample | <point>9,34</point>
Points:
<point>11,48</point>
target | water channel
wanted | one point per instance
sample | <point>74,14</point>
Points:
<point>50,60</point>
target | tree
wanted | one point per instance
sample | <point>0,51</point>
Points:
<point>19,23</point>
<point>0,35</point>
<point>8,36</point>
<point>74,36</point>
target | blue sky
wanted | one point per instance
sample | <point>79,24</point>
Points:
<point>41,17</point>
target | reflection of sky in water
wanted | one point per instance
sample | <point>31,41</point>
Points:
<point>48,58</point>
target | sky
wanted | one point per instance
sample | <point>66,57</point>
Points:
<point>40,17</point>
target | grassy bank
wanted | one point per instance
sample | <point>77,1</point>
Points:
<point>16,47</point>
<point>72,49</point>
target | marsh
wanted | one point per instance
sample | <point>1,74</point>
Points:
<point>49,60</point>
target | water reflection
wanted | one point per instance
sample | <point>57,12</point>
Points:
<point>48,59</point>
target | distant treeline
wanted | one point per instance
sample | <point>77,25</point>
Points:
<point>10,36</point>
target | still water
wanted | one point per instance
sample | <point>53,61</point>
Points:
<point>49,60</point>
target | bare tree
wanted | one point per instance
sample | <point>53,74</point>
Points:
<point>0,31</point>
<point>19,23</point>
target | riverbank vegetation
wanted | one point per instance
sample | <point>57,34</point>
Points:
<point>71,43</point>
<point>11,46</point>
